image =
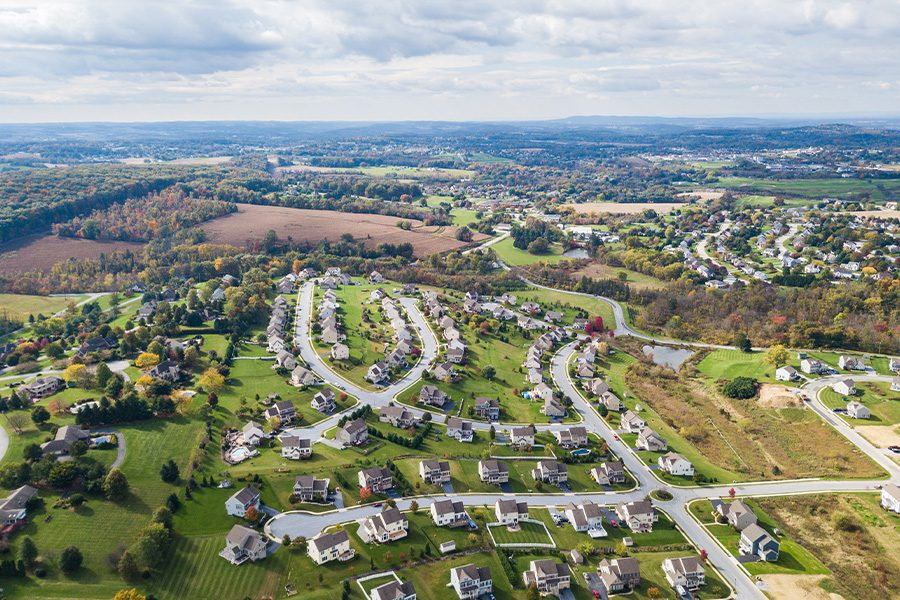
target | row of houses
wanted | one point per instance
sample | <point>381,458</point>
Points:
<point>278,319</point>
<point>403,341</point>
<point>456,347</point>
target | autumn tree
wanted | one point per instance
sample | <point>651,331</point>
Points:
<point>365,493</point>
<point>777,355</point>
<point>146,360</point>
<point>77,374</point>
<point>212,381</point>
<point>252,514</point>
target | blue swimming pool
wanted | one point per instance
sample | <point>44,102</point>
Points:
<point>581,452</point>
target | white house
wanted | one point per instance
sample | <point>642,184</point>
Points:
<point>470,582</point>
<point>858,410</point>
<point>510,511</point>
<point>326,547</point>
<point>845,387</point>
<point>295,448</point>
<point>243,544</point>
<point>786,373</point>
<point>675,464</point>
<point>448,513</point>
<point>890,497</point>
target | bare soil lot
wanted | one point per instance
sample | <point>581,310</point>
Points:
<point>881,435</point>
<point>778,396</point>
<point>251,223</point>
<point>703,195</point>
<point>798,586</point>
<point>40,252</point>
<point>623,208</point>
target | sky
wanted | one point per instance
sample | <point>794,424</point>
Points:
<point>148,60</point>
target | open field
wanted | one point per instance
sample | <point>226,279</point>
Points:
<point>877,396</point>
<point>728,364</point>
<point>393,172</point>
<point>515,257</point>
<point>40,252</point>
<point>252,222</point>
<point>637,280</point>
<point>703,195</point>
<point>623,208</point>
<point>880,214</point>
<point>875,189</point>
<point>19,306</point>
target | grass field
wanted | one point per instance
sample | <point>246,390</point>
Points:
<point>728,364</point>
<point>20,306</point>
<point>637,280</point>
<point>878,397</point>
<point>876,189</point>
<point>527,534</point>
<point>516,258</point>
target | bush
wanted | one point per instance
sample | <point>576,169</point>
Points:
<point>70,560</point>
<point>740,388</point>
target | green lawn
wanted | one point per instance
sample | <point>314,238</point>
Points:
<point>528,533</point>
<point>728,364</point>
<point>878,397</point>
<point>20,306</point>
<point>516,258</point>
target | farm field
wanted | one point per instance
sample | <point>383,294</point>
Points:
<point>624,208</point>
<point>876,189</point>
<point>41,252</point>
<point>19,306</point>
<point>391,171</point>
<point>515,257</point>
<point>252,222</point>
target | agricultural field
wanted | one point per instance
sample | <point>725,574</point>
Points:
<point>388,171</point>
<point>40,252</point>
<point>252,222</point>
<point>20,306</point>
<point>875,189</point>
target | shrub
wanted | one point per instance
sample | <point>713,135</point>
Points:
<point>740,388</point>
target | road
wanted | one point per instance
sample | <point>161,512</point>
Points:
<point>781,241</point>
<point>702,252</point>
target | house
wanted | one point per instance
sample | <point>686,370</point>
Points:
<point>550,471</point>
<point>858,410</point>
<point>434,471</point>
<point>845,387</point>
<point>895,384</point>
<point>620,574</point>
<point>443,371</point>
<point>377,479</point>
<point>340,351</point>
<point>534,376</point>
<point>148,309</point>
<point>487,408</point>
<point>542,391</point>
<point>285,360</point>
<point>890,497</point>
<point>531,308</point>
<point>63,440</point>
<point>327,547</point>
<point>167,370</point>
<point>584,371</point>
<point>41,387</point>
<point>470,581</point>
<point>309,489</point>
<point>631,423</point>
<point>96,344</point>
<point>387,526</point>
<point>611,402</point>
<point>675,464</point>
<point>522,437</point>
<point>650,441</point>
<point>324,401</point>
<point>431,396</point>
<point>573,437</point>
<point>554,317</point>
<point>456,354</point>
<point>243,544</point>
<point>377,373</point>
<point>394,590</point>
<point>737,513</point>
<point>449,513</point>
<point>13,508</point>
<point>686,572</point>
<point>376,277</point>
<point>252,433</point>
<point>811,366</point>
<point>460,430</point>
<point>756,541</point>
<point>510,511</point>
<point>284,410</point>
<point>639,516</point>
<point>851,363</point>
<point>398,417</point>
<point>330,335</point>
<point>553,408</point>
<point>493,471</point>
<point>787,373</point>
<point>584,517</point>
<point>240,502</point>
<point>609,472</point>
<point>301,377</point>
<point>894,365</point>
<point>548,576</point>
<point>353,433</point>
<point>295,448</point>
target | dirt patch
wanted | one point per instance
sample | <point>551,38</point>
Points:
<point>798,586</point>
<point>778,396</point>
<point>703,195</point>
<point>41,252</point>
<point>881,435</point>
<point>252,222</point>
<point>623,208</point>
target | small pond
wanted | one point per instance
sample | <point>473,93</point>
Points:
<point>665,356</point>
<point>576,253</point>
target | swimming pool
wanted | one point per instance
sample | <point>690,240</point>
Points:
<point>581,452</point>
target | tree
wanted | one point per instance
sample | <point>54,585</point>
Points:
<point>28,552</point>
<point>533,593</point>
<point>32,452</point>
<point>77,374</point>
<point>743,342</point>
<point>146,360</point>
<point>103,375</point>
<point>70,560</point>
<point>212,399</point>
<point>653,592</point>
<point>731,493</point>
<point>741,388</point>
<point>129,594</point>
<point>169,472</point>
<point>16,422</point>
<point>703,555</point>
<point>128,566</point>
<point>212,381</point>
<point>365,493</point>
<point>191,357</point>
<point>489,372</point>
<point>252,514</point>
<point>163,516</point>
<point>539,246</point>
<point>414,507</point>
<point>39,415</point>
<point>777,355</point>
<point>115,486</point>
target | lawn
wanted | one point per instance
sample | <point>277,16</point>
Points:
<point>515,257</point>
<point>728,364</point>
<point>528,533</point>
<point>431,579</point>
<point>571,305</point>
<point>637,280</point>
<point>877,396</point>
<point>20,306</point>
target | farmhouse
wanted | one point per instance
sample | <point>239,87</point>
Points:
<point>240,502</point>
<point>326,547</point>
<point>493,471</point>
<point>243,544</point>
<point>548,576</point>
<point>686,572</point>
<point>295,448</point>
<point>387,526</point>
<point>471,582</point>
<point>449,513</point>
<point>434,471</point>
<point>510,512</point>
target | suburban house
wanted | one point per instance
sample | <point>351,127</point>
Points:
<point>632,423</point>
<point>890,497</point>
<point>511,511</point>
<point>284,410</point>
<point>238,504</point>
<point>639,516</point>
<point>786,373</point>
<point>686,571</point>
<point>894,365</point>
<point>435,471</point>
<point>811,366</point>
<point>42,387</point>
<point>460,430</point>
<point>649,440</point>
<point>534,376</point>
<point>252,433</point>
<point>522,437</point>
<point>243,544</point>
<point>398,417</point>
<point>394,590</point>
<point>449,513</point>
<point>553,408</point>
<point>167,370</point>
<point>285,360</point>
<point>353,433</point>
<point>63,440</point>
<point>309,489</point>
<point>324,401</point>
<point>493,471</point>
<point>584,517</point>
<point>443,371</point>
<point>620,574</point>
<point>756,541</point>
<point>378,479</point>
<point>845,387</point>
<point>96,344</point>
<point>470,581</point>
<point>596,386</point>
<point>573,437</point>
<point>431,396</point>
<point>675,464</point>
<point>295,448</point>
<point>609,472</point>
<point>851,363</point>
<point>13,507</point>
<point>301,376</point>
<point>611,402</point>
<point>487,408</point>
<point>340,351</point>
<point>326,547</point>
<point>550,471</point>
<point>548,576</point>
<point>377,373</point>
<point>737,513</point>
<point>387,526</point>
<point>858,410</point>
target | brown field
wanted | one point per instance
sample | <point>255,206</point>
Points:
<point>878,214</point>
<point>703,195</point>
<point>798,586</point>
<point>251,223</point>
<point>40,252</point>
<point>778,396</point>
<point>600,271</point>
<point>623,208</point>
<point>881,435</point>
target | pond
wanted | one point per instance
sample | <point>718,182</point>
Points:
<point>665,356</point>
<point>576,253</point>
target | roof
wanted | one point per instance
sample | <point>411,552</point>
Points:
<point>393,591</point>
<point>472,572</point>
<point>248,494</point>
<point>328,540</point>
<point>448,507</point>
<point>685,564</point>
